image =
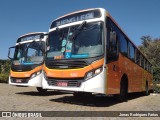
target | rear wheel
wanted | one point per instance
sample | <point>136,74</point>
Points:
<point>146,89</point>
<point>41,90</point>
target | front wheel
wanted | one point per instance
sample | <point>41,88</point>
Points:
<point>41,90</point>
<point>123,91</point>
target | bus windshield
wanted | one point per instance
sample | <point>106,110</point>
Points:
<point>29,53</point>
<point>75,42</point>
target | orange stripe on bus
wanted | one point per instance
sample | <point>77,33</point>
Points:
<point>25,74</point>
<point>71,73</point>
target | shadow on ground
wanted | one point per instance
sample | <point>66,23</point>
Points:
<point>94,101</point>
<point>36,93</point>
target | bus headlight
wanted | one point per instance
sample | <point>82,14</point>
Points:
<point>36,74</point>
<point>93,73</point>
<point>89,75</point>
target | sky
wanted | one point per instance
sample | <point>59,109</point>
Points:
<point>137,18</point>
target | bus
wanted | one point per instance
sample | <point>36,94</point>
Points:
<point>27,60</point>
<point>87,52</point>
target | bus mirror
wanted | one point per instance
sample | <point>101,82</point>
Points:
<point>11,52</point>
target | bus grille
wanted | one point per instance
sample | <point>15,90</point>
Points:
<point>63,64</point>
<point>70,83</point>
<point>19,80</point>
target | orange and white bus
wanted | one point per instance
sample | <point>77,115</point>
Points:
<point>27,60</point>
<point>87,52</point>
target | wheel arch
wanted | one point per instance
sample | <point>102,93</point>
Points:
<point>124,80</point>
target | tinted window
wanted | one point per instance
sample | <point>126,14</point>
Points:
<point>131,52</point>
<point>142,61</point>
<point>146,65</point>
<point>123,45</point>
<point>137,57</point>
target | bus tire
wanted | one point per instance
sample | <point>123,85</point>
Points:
<point>41,90</point>
<point>123,89</point>
<point>146,89</point>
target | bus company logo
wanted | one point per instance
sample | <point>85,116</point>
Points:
<point>74,74</point>
<point>6,114</point>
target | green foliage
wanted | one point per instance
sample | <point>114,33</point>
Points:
<point>4,70</point>
<point>151,49</point>
<point>156,79</point>
<point>4,78</point>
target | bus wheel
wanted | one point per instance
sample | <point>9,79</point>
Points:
<point>123,91</point>
<point>146,89</point>
<point>41,90</point>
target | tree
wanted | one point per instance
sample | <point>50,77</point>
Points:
<point>151,49</point>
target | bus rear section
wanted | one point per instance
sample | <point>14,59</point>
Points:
<point>27,61</point>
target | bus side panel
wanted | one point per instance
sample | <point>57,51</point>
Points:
<point>112,83</point>
<point>136,75</point>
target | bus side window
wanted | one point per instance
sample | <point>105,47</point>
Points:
<point>113,42</point>
<point>138,57</point>
<point>113,46</point>
<point>142,61</point>
<point>131,51</point>
<point>123,45</point>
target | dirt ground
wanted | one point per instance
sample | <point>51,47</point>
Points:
<point>14,98</point>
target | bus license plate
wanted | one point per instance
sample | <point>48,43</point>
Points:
<point>62,84</point>
<point>18,80</point>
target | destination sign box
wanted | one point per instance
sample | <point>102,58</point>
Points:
<point>76,17</point>
<point>29,37</point>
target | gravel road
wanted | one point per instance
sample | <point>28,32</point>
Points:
<point>14,98</point>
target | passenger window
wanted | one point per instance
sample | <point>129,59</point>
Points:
<point>142,61</point>
<point>123,45</point>
<point>146,65</point>
<point>112,47</point>
<point>137,57</point>
<point>131,52</point>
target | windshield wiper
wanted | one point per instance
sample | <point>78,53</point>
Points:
<point>79,29</point>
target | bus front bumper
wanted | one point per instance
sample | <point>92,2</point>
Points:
<point>94,85</point>
<point>35,81</point>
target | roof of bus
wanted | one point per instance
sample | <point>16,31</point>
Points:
<point>31,33</point>
<point>77,12</point>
